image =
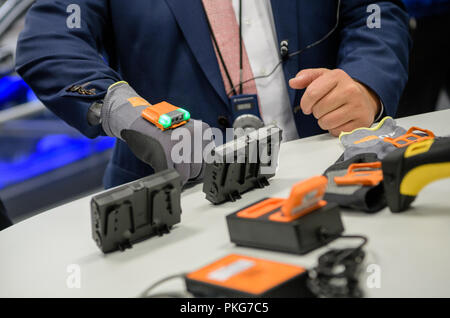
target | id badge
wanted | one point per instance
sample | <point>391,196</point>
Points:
<point>244,104</point>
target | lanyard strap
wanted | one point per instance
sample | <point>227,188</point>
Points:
<point>241,66</point>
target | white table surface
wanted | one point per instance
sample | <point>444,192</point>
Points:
<point>411,248</point>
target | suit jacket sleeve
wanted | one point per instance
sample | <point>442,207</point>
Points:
<point>377,57</point>
<point>52,58</point>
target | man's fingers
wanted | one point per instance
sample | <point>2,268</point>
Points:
<point>306,77</point>
<point>337,118</point>
<point>322,91</point>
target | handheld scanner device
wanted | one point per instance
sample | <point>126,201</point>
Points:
<point>409,169</point>
<point>166,116</point>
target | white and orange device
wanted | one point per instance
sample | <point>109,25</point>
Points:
<point>243,276</point>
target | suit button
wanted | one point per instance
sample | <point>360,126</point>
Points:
<point>223,122</point>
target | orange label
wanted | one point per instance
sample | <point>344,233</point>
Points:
<point>368,138</point>
<point>138,101</point>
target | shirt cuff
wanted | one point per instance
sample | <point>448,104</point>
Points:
<point>380,114</point>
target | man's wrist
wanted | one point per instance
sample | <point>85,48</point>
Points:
<point>375,101</point>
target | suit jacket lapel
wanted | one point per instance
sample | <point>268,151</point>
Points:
<point>285,14</point>
<point>191,18</point>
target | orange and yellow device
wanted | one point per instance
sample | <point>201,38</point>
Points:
<point>289,225</point>
<point>408,170</point>
<point>243,276</point>
<point>166,116</point>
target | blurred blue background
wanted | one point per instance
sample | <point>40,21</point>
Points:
<point>43,161</point>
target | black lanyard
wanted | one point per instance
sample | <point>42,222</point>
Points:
<point>219,53</point>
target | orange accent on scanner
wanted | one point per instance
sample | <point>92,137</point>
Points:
<point>365,139</point>
<point>138,101</point>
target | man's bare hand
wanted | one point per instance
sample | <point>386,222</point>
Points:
<point>337,101</point>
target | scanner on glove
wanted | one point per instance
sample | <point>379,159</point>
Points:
<point>144,128</point>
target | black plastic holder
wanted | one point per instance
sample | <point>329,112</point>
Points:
<point>299,236</point>
<point>246,163</point>
<point>136,211</point>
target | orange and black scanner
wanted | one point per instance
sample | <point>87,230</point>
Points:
<point>293,225</point>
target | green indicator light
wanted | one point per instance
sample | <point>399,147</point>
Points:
<point>186,114</point>
<point>165,121</point>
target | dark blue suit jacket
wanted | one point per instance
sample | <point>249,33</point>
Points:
<point>163,49</point>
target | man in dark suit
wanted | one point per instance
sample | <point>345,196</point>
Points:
<point>77,55</point>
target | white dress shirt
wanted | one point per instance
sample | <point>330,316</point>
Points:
<point>261,43</point>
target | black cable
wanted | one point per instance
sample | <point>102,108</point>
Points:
<point>145,293</point>
<point>336,274</point>
<point>337,271</point>
<point>325,37</point>
<point>257,77</point>
<point>338,11</point>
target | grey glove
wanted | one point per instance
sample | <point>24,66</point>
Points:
<point>121,118</point>
<point>370,140</point>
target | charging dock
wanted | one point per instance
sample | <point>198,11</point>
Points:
<point>298,225</point>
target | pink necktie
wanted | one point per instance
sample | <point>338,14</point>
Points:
<point>226,30</point>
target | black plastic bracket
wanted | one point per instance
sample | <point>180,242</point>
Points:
<point>243,164</point>
<point>136,211</point>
